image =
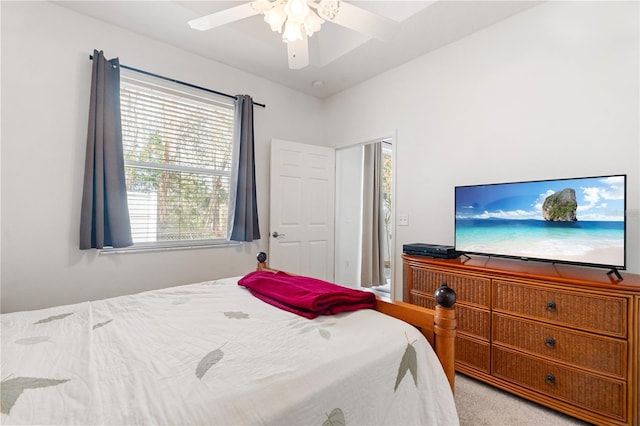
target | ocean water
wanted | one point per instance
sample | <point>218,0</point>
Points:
<point>589,241</point>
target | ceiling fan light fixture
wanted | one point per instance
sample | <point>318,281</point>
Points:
<point>297,10</point>
<point>292,31</point>
<point>294,18</point>
<point>327,9</point>
<point>312,23</point>
<point>275,17</point>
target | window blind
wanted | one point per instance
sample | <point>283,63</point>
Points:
<point>177,151</point>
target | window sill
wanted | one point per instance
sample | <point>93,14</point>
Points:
<point>146,248</point>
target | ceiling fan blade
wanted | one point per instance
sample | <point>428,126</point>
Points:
<point>223,17</point>
<point>298,53</point>
<point>364,22</point>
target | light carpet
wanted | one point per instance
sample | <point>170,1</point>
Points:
<point>481,404</point>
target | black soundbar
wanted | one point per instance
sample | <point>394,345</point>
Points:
<point>430,250</point>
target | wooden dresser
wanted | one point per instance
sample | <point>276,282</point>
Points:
<point>563,336</point>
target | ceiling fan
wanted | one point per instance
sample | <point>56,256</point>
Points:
<point>298,19</point>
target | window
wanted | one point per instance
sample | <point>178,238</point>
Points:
<point>177,151</point>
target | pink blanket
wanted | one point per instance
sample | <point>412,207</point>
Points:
<point>308,297</point>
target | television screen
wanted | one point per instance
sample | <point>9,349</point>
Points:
<point>579,221</point>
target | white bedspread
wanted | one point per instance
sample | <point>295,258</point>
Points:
<point>211,353</point>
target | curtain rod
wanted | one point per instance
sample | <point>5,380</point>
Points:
<point>193,86</point>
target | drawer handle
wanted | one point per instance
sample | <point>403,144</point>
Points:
<point>550,379</point>
<point>551,306</point>
<point>550,342</point>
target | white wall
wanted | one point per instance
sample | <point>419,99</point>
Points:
<point>46,74</point>
<point>549,93</point>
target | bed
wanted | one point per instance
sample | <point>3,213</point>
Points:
<point>212,353</point>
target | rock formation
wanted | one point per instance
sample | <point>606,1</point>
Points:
<point>560,206</point>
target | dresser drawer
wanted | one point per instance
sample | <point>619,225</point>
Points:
<point>589,391</point>
<point>590,351</point>
<point>590,312</point>
<point>469,320</point>
<point>472,353</point>
<point>469,289</point>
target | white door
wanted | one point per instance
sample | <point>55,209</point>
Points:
<point>301,226</point>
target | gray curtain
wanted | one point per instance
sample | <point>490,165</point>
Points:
<point>104,218</point>
<point>372,268</point>
<point>243,201</point>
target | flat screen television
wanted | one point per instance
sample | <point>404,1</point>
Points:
<point>577,221</point>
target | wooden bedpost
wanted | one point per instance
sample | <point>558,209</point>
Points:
<point>262,261</point>
<point>445,330</point>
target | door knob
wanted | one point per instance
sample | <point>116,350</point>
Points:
<point>276,235</point>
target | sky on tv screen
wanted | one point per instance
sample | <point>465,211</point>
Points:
<point>599,199</point>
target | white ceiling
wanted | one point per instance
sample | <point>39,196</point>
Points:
<point>339,57</point>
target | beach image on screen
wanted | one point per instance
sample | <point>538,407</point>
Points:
<point>569,220</point>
